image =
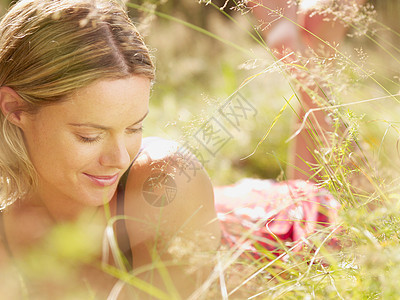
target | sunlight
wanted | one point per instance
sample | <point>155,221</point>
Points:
<point>306,5</point>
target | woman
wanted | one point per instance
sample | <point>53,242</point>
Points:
<point>75,79</point>
<point>75,84</point>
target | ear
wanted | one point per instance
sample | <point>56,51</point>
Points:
<point>11,105</point>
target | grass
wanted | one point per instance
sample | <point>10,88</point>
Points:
<point>210,58</point>
<point>196,77</point>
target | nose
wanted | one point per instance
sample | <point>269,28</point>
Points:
<point>116,155</point>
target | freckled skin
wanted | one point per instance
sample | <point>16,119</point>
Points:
<point>63,153</point>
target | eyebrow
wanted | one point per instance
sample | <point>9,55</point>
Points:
<point>105,127</point>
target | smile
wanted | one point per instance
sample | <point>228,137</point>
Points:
<point>103,180</point>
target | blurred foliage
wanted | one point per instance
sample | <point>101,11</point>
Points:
<point>196,74</point>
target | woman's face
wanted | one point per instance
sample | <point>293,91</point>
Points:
<point>80,147</point>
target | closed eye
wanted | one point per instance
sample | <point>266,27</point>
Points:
<point>134,130</point>
<point>88,139</point>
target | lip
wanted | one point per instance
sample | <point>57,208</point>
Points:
<point>102,180</point>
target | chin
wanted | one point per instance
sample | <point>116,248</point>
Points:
<point>99,198</point>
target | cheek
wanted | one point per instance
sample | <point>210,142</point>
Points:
<point>135,146</point>
<point>38,144</point>
<point>57,152</point>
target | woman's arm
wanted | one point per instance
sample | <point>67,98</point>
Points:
<point>174,223</point>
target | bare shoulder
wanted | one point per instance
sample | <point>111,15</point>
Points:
<point>169,193</point>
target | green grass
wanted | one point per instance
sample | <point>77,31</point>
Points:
<point>203,57</point>
<point>197,72</point>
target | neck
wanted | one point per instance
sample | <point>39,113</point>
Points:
<point>60,209</point>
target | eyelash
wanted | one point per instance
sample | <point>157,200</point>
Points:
<point>136,130</point>
<point>89,140</point>
<point>98,138</point>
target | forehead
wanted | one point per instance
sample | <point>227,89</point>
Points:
<point>131,91</point>
<point>107,101</point>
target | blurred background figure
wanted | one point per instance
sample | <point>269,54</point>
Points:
<point>304,28</point>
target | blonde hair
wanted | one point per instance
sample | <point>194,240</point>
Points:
<point>49,48</point>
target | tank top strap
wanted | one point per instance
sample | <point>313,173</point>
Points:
<point>122,232</point>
